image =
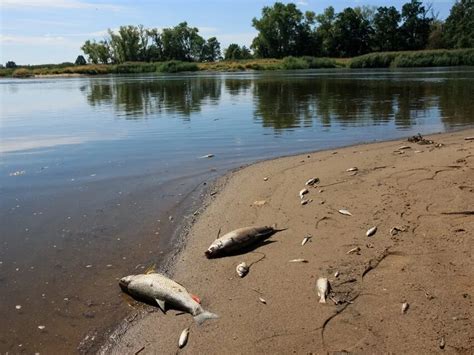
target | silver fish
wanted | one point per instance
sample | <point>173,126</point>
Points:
<point>352,169</point>
<point>371,231</point>
<point>183,338</point>
<point>298,261</point>
<point>242,269</point>
<point>162,290</point>
<point>306,239</point>
<point>345,212</point>
<point>405,306</point>
<point>312,181</point>
<point>323,287</point>
<point>303,192</point>
<point>207,156</point>
<point>262,300</point>
<point>239,239</point>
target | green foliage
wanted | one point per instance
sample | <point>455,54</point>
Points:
<point>97,52</point>
<point>386,29</point>
<point>318,63</point>
<point>211,51</point>
<point>22,73</point>
<point>459,28</point>
<point>429,58</point>
<point>351,33</point>
<point>182,43</point>
<point>175,66</point>
<point>80,60</point>
<point>416,26</point>
<point>235,52</point>
<point>10,65</point>
<point>290,63</point>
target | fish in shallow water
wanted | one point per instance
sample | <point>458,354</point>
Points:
<point>239,239</point>
<point>322,285</point>
<point>162,290</point>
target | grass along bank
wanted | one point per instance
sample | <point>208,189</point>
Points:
<point>425,58</point>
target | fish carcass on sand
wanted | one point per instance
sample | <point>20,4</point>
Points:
<point>160,289</point>
<point>239,239</point>
<point>323,287</point>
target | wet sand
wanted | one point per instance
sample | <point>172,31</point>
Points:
<point>426,191</point>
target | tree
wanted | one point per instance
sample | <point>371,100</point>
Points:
<point>436,38</point>
<point>10,65</point>
<point>211,50</point>
<point>459,27</point>
<point>386,29</point>
<point>283,31</point>
<point>80,60</point>
<point>235,52</point>
<point>325,31</point>
<point>129,44</point>
<point>352,33</point>
<point>97,52</point>
<point>416,25</point>
<point>182,43</point>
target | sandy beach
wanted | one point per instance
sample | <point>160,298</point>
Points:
<point>420,198</point>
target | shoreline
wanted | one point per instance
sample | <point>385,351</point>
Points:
<point>131,333</point>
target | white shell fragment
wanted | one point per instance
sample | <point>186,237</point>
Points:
<point>371,231</point>
<point>405,306</point>
<point>262,300</point>
<point>298,261</point>
<point>322,286</point>
<point>345,212</point>
<point>259,203</point>
<point>303,192</point>
<point>352,169</point>
<point>41,327</point>
<point>306,239</point>
<point>265,179</point>
<point>353,250</point>
<point>183,338</point>
<point>18,306</point>
<point>242,269</point>
<point>312,181</point>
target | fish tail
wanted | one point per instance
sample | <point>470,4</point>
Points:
<point>275,229</point>
<point>204,316</point>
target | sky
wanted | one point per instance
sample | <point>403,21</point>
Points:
<point>52,31</point>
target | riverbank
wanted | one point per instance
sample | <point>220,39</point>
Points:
<point>418,196</point>
<point>406,59</point>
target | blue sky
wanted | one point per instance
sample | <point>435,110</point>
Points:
<point>52,31</point>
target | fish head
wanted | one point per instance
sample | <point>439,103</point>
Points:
<point>124,281</point>
<point>214,249</point>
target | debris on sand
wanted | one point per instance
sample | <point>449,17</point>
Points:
<point>469,139</point>
<point>298,261</point>
<point>305,202</point>
<point>259,203</point>
<point>323,287</point>
<point>371,231</point>
<point>183,338</point>
<point>312,181</point>
<point>442,343</point>
<point>242,269</point>
<point>354,250</point>
<point>403,147</point>
<point>262,300</point>
<point>306,239</point>
<point>345,212</point>
<point>405,306</point>
<point>303,192</point>
<point>419,139</point>
<point>352,169</point>
<point>265,179</point>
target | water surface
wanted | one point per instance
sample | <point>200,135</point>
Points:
<point>96,173</point>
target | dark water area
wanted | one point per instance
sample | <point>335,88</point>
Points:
<point>92,169</point>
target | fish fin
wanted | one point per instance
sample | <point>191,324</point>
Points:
<point>204,316</point>
<point>196,298</point>
<point>161,305</point>
<point>275,229</point>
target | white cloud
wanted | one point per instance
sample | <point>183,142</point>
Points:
<point>62,4</point>
<point>302,3</point>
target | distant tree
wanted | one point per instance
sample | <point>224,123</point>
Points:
<point>211,50</point>
<point>436,38</point>
<point>80,60</point>
<point>416,25</point>
<point>155,50</point>
<point>352,33</point>
<point>97,52</point>
<point>10,65</point>
<point>1,66</point>
<point>283,31</point>
<point>325,31</point>
<point>386,29</point>
<point>182,43</point>
<point>234,51</point>
<point>459,28</point>
<point>245,53</point>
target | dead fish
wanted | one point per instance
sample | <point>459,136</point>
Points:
<point>371,231</point>
<point>352,169</point>
<point>262,300</point>
<point>322,285</point>
<point>162,290</point>
<point>312,181</point>
<point>242,269</point>
<point>183,338</point>
<point>405,306</point>
<point>404,147</point>
<point>298,261</point>
<point>306,239</point>
<point>469,139</point>
<point>442,343</point>
<point>239,239</point>
<point>336,274</point>
<point>207,156</point>
<point>304,202</point>
<point>354,250</point>
<point>303,192</point>
<point>345,212</point>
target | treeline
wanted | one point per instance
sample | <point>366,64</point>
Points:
<point>285,31</point>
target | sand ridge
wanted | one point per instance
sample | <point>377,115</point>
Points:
<point>426,263</point>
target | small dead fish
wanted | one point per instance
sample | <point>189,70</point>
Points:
<point>442,342</point>
<point>298,261</point>
<point>183,338</point>
<point>352,169</point>
<point>469,139</point>
<point>242,269</point>
<point>336,274</point>
<point>262,300</point>
<point>305,202</point>
<point>306,240</point>
<point>345,212</point>
<point>312,181</point>
<point>371,231</point>
<point>354,250</point>
<point>404,147</point>
<point>303,192</point>
<point>265,179</point>
<point>41,327</point>
<point>207,156</point>
<point>405,306</point>
<point>323,287</point>
<point>239,239</point>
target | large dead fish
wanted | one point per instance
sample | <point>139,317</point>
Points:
<point>239,239</point>
<point>162,290</point>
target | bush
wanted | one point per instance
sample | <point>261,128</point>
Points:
<point>316,63</point>
<point>290,63</point>
<point>22,73</point>
<point>175,66</point>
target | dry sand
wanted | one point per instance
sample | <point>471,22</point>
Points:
<point>428,264</point>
